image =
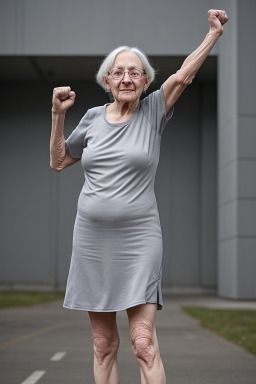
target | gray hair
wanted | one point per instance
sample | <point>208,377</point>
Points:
<point>109,60</point>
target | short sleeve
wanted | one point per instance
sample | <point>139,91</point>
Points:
<point>76,142</point>
<point>155,110</point>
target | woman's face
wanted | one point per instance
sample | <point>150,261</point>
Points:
<point>126,89</point>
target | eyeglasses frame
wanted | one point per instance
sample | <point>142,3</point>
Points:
<point>127,71</point>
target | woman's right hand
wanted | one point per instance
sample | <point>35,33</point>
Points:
<point>63,98</point>
<point>217,18</point>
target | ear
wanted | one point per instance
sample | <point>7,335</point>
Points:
<point>147,83</point>
<point>106,82</point>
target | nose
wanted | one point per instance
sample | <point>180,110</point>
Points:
<point>126,78</point>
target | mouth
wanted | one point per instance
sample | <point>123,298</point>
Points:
<point>126,90</point>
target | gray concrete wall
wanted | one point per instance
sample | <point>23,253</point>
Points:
<point>179,183</point>
<point>78,27</point>
<point>208,187</point>
<point>237,154</point>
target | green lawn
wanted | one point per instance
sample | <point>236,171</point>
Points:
<point>238,326</point>
<point>20,299</point>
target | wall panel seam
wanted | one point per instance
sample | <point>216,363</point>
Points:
<point>228,238</point>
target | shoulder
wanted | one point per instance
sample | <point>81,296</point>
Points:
<point>154,108</point>
<point>93,112</point>
<point>153,102</point>
<point>90,115</point>
<point>153,97</point>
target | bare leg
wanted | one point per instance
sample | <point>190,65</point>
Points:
<point>142,377</point>
<point>145,344</point>
<point>105,343</point>
<point>114,378</point>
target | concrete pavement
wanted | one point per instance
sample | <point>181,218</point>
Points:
<point>31,336</point>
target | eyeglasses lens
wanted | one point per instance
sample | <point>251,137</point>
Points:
<point>119,73</point>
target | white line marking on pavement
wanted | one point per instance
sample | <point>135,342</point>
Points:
<point>32,379</point>
<point>58,356</point>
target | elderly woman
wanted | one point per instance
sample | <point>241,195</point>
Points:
<point>116,261</point>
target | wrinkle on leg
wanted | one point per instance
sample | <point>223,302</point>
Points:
<point>105,344</point>
<point>142,342</point>
<point>104,347</point>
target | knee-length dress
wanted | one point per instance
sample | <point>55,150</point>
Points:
<point>116,260</point>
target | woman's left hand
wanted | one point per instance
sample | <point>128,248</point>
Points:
<point>216,20</point>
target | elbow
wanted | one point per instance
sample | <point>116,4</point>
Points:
<point>55,168</point>
<point>55,164</point>
<point>183,78</point>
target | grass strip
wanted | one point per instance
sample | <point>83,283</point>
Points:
<point>21,299</point>
<point>236,325</point>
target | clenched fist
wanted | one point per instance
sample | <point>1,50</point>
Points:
<point>63,98</point>
<point>216,20</point>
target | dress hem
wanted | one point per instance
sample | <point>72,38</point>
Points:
<point>159,307</point>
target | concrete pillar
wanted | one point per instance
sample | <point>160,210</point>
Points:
<point>237,153</point>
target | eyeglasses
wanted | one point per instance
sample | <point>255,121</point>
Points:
<point>134,74</point>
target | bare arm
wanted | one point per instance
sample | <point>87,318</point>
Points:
<point>59,157</point>
<point>176,84</point>
<point>63,98</point>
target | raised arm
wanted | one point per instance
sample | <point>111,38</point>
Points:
<point>175,84</point>
<point>63,98</point>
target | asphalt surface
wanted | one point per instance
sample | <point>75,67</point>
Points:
<point>31,337</point>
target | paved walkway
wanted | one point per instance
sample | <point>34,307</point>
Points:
<point>48,344</point>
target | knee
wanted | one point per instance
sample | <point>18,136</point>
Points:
<point>142,342</point>
<point>105,345</point>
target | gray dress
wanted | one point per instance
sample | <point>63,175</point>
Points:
<point>116,260</point>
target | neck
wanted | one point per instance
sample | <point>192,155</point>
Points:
<point>123,108</point>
